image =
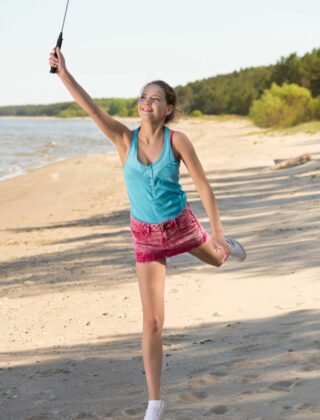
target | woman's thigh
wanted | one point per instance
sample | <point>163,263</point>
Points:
<point>151,279</point>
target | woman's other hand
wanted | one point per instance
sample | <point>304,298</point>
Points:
<point>221,244</point>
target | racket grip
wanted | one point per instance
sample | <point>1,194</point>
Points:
<point>59,43</point>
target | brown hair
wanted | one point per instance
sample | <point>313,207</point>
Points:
<point>171,97</point>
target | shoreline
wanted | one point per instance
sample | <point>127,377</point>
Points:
<point>15,172</point>
<point>26,172</point>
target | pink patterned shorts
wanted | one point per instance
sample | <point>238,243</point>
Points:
<point>156,241</point>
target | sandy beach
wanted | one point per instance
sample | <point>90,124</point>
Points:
<point>240,342</point>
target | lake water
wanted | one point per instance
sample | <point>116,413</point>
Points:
<point>29,143</point>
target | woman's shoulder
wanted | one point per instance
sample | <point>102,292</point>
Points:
<point>180,139</point>
<point>181,144</point>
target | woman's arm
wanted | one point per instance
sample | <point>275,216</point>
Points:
<point>112,128</point>
<point>189,157</point>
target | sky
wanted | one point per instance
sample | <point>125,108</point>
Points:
<point>113,48</point>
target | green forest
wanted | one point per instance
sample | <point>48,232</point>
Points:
<point>238,92</point>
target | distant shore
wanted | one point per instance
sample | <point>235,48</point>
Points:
<point>45,117</point>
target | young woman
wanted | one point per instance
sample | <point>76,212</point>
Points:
<point>161,221</point>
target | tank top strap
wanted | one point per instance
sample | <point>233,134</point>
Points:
<point>166,145</point>
<point>135,137</point>
<point>171,138</point>
<point>170,154</point>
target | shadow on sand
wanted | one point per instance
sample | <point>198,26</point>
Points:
<point>241,368</point>
<point>275,214</point>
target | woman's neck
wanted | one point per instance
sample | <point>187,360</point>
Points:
<point>150,132</point>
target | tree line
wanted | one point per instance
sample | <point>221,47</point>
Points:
<point>114,106</point>
<point>232,93</point>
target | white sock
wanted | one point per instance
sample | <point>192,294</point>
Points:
<point>154,404</point>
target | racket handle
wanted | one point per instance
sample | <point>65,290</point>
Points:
<point>59,43</point>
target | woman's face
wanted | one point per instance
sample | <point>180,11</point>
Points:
<point>153,104</point>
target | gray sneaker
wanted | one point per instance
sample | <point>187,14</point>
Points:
<point>236,249</point>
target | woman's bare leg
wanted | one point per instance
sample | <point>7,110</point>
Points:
<point>208,254</point>
<point>151,278</point>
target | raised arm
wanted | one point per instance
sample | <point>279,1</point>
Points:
<point>118,133</point>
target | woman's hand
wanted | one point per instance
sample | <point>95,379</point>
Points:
<point>219,243</point>
<point>58,62</point>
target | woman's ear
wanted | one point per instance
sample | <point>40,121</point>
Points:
<point>170,109</point>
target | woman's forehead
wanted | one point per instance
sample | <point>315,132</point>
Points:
<point>154,90</point>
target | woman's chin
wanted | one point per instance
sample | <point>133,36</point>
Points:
<point>145,116</point>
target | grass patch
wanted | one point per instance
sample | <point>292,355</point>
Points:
<point>311,127</point>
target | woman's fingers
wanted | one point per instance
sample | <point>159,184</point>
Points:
<point>214,245</point>
<point>59,54</point>
<point>53,60</point>
<point>56,59</point>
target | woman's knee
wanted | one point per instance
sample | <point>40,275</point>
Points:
<point>219,261</point>
<point>153,324</point>
<point>207,254</point>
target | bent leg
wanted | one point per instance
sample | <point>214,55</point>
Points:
<point>208,254</point>
<point>151,278</point>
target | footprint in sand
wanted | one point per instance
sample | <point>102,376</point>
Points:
<point>51,372</point>
<point>249,379</point>
<point>192,396</point>
<point>38,398</point>
<point>310,368</point>
<point>176,338</point>
<point>282,386</point>
<point>315,360</point>
<point>84,415</point>
<point>294,356</point>
<point>173,291</point>
<point>203,381</point>
<point>246,393</point>
<point>219,409</point>
<point>309,407</point>
<point>219,373</point>
<point>132,411</point>
<point>245,349</point>
<point>288,407</point>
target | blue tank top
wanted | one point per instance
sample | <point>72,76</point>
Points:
<point>154,191</point>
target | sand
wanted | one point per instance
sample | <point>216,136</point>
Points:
<point>240,342</point>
